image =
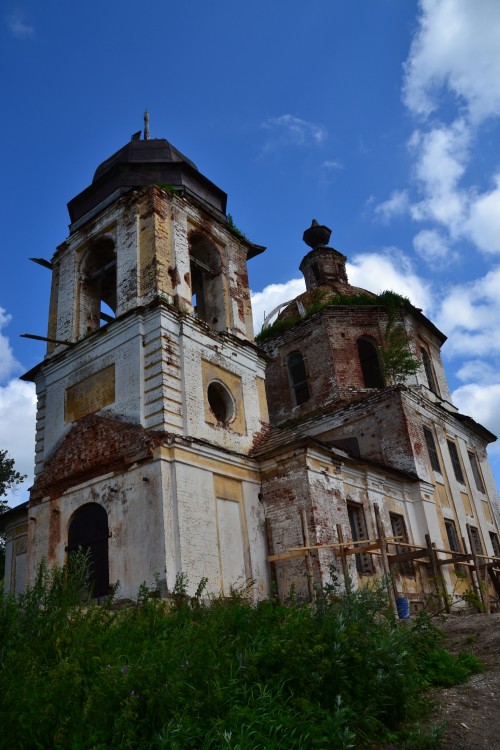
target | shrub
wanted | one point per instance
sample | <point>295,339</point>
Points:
<point>179,674</point>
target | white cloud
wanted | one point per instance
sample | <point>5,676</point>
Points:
<point>332,164</point>
<point>479,371</point>
<point>8,363</point>
<point>469,315</point>
<point>17,431</point>
<point>392,270</point>
<point>17,414</point>
<point>19,27</point>
<point>264,302</point>
<point>288,130</point>
<point>441,156</point>
<point>482,402</point>
<point>396,205</point>
<point>483,225</point>
<point>434,248</point>
<point>455,48</point>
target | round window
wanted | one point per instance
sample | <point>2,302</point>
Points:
<point>220,401</point>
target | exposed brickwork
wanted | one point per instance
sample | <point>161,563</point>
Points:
<point>93,447</point>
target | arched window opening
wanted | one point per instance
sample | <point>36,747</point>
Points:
<point>370,363</point>
<point>429,374</point>
<point>98,289</point>
<point>88,531</point>
<point>206,281</point>
<point>298,378</point>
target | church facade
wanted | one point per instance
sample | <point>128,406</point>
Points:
<point>170,442</point>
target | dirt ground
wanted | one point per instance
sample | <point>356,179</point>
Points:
<point>471,712</point>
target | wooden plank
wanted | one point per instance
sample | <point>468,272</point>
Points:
<point>493,574</point>
<point>343,558</point>
<point>479,588</point>
<point>270,551</point>
<point>441,595</point>
<point>289,555</point>
<point>404,556</point>
<point>362,550</point>
<point>309,564</point>
<point>348,544</point>
<point>392,591</point>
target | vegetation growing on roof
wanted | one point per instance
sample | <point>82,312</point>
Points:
<point>397,361</point>
<point>168,188</point>
<point>236,230</point>
<point>320,299</point>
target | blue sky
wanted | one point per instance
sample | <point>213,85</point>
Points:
<point>379,118</point>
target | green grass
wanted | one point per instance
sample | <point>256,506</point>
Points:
<point>180,674</point>
<point>319,300</point>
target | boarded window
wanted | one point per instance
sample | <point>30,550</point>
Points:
<point>495,543</point>
<point>88,531</point>
<point>357,523</point>
<point>431,449</point>
<point>476,472</point>
<point>455,461</point>
<point>370,364</point>
<point>398,525</point>
<point>475,540</point>
<point>298,378</point>
<point>453,543</point>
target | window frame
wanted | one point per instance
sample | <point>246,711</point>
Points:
<point>371,369</point>
<point>454,542</point>
<point>429,371</point>
<point>475,542</point>
<point>495,543</point>
<point>406,568</point>
<point>359,532</point>
<point>455,461</point>
<point>432,451</point>
<point>299,386</point>
<point>476,472</point>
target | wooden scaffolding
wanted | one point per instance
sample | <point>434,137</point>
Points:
<point>479,568</point>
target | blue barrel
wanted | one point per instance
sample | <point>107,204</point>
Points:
<point>403,607</point>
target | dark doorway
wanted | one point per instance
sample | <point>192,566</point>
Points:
<point>88,531</point>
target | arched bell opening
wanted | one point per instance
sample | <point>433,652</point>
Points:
<point>207,287</point>
<point>370,363</point>
<point>98,295</point>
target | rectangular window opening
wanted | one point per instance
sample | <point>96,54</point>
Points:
<point>398,526</point>
<point>357,522</point>
<point>476,472</point>
<point>475,540</point>
<point>495,543</point>
<point>455,460</point>
<point>431,449</point>
<point>454,544</point>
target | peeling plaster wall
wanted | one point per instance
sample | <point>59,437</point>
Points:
<point>136,543</point>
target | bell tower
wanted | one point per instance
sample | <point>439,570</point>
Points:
<point>152,390</point>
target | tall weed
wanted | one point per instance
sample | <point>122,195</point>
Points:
<point>179,674</point>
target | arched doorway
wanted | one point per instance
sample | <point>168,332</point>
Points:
<point>88,530</point>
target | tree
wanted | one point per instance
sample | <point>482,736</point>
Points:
<point>9,478</point>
